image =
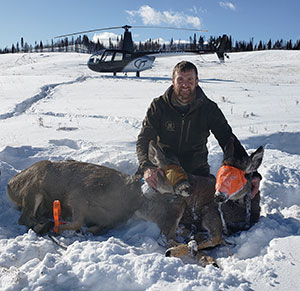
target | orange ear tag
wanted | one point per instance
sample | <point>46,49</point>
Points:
<point>230,180</point>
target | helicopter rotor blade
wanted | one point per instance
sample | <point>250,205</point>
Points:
<point>169,27</point>
<point>87,31</point>
<point>126,27</point>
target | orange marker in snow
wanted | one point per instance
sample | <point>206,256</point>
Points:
<point>56,214</point>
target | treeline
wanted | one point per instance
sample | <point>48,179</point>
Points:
<point>80,44</point>
<point>83,44</point>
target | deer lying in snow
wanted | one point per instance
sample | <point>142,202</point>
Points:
<point>237,211</point>
<point>95,196</point>
<point>100,198</point>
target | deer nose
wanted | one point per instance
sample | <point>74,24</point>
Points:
<point>220,197</point>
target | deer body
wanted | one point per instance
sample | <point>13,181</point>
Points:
<point>90,195</point>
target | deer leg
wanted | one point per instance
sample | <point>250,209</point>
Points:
<point>211,222</point>
<point>77,220</point>
<point>35,212</point>
<point>74,225</point>
<point>191,249</point>
<point>165,211</point>
<point>95,229</point>
<point>31,203</point>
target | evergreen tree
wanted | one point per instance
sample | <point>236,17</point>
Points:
<point>66,44</point>
<point>26,47</point>
<point>289,45</point>
<point>297,45</point>
<point>171,43</point>
<point>110,44</point>
<point>201,42</point>
<point>22,43</point>
<point>269,45</point>
<point>230,43</point>
<point>194,42</point>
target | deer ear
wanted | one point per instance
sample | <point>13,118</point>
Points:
<point>255,160</point>
<point>229,150</point>
<point>155,154</point>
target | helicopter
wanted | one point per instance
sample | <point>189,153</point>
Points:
<point>127,60</point>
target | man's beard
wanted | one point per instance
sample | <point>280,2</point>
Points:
<point>189,97</point>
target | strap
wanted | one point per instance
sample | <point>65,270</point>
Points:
<point>225,230</point>
<point>248,210</point>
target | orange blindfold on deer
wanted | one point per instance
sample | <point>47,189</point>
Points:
<point>230,181</point>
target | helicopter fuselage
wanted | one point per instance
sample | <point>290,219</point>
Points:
<point>111,60</point>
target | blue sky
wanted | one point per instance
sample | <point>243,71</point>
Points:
<point>37,20</point>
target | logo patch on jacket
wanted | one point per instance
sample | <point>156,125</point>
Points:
<point>170,125</point>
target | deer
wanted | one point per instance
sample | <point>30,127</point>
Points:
<point>223,212</point>
<point>94,196</point>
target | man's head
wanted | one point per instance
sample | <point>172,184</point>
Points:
<point>184,66</point>
<point>185,81</point>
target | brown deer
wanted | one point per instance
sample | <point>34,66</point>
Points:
<point>95,196</point>
<point>221,211</point>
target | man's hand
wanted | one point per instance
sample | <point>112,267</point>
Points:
<point>255,186</point>
<point>150,176</point>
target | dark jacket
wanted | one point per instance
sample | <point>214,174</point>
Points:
<point>184,135</point>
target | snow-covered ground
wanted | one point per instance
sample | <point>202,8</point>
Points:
<point>53,107</point>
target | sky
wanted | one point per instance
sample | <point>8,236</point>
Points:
<point>36,20</point>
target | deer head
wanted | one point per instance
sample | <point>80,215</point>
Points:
<point>234,177</point>
<point>173,178</point>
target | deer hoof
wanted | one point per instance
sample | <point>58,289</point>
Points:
<point>205,260</point>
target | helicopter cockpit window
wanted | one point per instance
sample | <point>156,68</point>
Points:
<point>118,57</point>
<point>107,57</point>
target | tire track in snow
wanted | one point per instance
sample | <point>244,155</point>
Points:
<point>131,121</point>
<point>45,92</point>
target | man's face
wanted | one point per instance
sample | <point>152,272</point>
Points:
<point>185,84</point>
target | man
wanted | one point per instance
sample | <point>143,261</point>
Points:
<point>180,121</point>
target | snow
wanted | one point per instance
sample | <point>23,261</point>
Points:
<point>53,107</point>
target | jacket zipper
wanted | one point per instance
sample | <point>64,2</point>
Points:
<point>188,131</point>
<point>181,135</point>
<point>182,127</point>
